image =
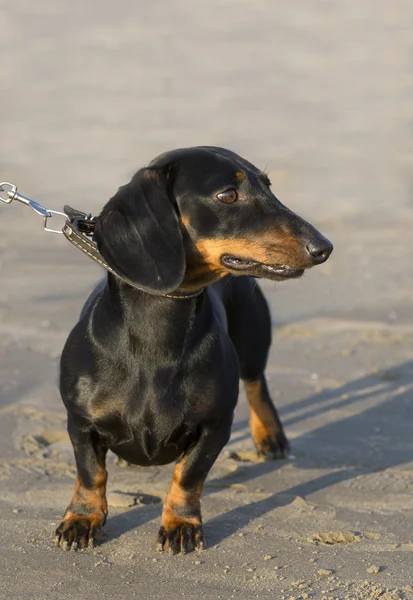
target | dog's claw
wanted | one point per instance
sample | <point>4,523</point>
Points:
<point>78,532</point>
<point>182,539</point>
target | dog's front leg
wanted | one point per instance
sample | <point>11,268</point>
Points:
<point>181,524</point>
<point>86,513</point>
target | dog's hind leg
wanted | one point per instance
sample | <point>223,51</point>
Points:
<point>249,327</point>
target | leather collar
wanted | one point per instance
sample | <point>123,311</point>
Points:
<point>78,229</point>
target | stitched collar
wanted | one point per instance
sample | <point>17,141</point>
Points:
<point>79,225</point>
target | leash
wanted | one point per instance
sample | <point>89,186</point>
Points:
<point>77,229</point>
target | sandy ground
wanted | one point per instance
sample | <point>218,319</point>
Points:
<point>319,93</point>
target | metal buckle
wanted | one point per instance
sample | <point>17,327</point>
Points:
<point>51,213</point>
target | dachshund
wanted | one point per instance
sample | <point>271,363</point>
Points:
<point>151,370</point>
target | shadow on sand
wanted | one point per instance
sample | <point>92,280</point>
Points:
<point>353,440</point>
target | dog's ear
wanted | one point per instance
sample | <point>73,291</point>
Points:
<point>138,233</point>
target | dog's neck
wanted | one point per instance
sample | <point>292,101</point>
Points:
<point>154,322</point>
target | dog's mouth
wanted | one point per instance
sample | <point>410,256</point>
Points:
<point>258,269</point>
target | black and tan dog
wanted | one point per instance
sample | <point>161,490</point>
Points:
<point>151,370</point>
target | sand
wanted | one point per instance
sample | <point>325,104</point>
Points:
<point>317,93</point>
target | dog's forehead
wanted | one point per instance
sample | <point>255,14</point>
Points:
<point>204,157</point>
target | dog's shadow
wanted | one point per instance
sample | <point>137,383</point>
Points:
<point>353,436</point>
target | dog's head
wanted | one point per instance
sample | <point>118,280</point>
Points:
<point>197,214</point>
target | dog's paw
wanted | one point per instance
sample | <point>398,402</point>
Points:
<point>181,537</point>
<point>78,531</point>
<point>273,448</point>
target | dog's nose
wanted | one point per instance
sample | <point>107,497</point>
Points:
<point>319,251</point>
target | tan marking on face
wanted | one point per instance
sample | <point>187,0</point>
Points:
<point>212,250</point>
<point>199,272</point>
<point>262,422</point>
<point>203,264</point>
<point>240,176</point>
<point>288,251</point>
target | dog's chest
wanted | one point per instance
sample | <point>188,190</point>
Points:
<point>148,436</point>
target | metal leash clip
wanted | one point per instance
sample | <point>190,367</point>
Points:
<point>12,194</point>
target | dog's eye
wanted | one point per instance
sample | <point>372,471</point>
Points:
<point>228,196</point>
